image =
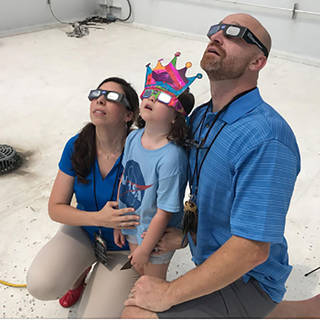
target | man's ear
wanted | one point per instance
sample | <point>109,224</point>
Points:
<point>258,62</point>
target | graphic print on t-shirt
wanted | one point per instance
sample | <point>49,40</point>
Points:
<point>132,186</point>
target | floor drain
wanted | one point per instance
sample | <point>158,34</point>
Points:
<point>9,159</point>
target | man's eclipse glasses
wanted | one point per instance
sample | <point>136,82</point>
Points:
<point>234,31</point>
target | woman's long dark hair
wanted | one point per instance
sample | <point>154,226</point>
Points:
<point>179,129</point>
<point>84,153</point>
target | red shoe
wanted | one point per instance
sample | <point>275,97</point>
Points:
<point>73,295</point>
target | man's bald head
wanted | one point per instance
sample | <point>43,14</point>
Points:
<point>251,23</point>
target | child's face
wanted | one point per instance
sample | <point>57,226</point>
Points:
<point>151,110</point>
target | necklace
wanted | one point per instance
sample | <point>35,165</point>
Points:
<point>100,244</point>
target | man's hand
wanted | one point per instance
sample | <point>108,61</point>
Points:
<point>150,293</point>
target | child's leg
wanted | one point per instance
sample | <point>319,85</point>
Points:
<point>156,270</point>
<point>158,265</point>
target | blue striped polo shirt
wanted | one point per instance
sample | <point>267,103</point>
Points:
<point>246,183</point>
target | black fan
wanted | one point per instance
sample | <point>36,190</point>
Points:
<point>9,159</point>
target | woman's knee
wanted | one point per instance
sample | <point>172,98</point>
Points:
<point>58,264</point>
<point>42,286</point>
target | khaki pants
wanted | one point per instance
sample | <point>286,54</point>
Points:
<point>61,262</point>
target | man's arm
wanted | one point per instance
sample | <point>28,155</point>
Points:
<point>235,258</point>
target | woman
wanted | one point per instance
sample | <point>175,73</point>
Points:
<point>90,168</point>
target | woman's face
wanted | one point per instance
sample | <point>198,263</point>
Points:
<point>105,112</point>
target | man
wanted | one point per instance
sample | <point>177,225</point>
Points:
<point>243,167</point>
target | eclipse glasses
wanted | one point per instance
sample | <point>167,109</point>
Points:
<point>158,95</point>
<point>112,96</point>
<point>166,98</point>
<point>234,31</point>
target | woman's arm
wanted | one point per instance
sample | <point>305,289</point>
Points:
<point>61,211</point>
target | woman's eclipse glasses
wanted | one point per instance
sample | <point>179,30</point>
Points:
<point>234,31</point>
<point>112,96</point>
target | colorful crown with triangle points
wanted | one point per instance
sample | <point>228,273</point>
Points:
<point>170,80</point>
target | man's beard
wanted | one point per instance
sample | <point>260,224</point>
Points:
<point>223,69</point>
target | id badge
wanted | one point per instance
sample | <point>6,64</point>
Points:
<point>100,249</point>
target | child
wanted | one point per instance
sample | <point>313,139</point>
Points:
<point>155,165</point>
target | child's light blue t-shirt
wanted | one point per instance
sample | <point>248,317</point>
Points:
<point>152,179</point>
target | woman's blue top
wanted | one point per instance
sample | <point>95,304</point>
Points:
<point>90,198</point>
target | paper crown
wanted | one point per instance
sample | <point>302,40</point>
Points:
<point>168,78</point>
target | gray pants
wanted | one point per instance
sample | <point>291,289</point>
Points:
<point>64,258</point>
<point>237,300</point>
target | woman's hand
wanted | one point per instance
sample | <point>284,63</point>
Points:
<point>171,240</point>
<point>111,217</point>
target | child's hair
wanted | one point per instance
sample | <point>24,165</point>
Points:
<point>179,129</point>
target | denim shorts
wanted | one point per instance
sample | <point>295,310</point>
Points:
<point>154,259</point>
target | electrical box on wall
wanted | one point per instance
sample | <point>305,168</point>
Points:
<point>109,11</point>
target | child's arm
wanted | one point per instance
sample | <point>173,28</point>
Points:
<point>157,227</point>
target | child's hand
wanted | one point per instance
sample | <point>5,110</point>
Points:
<point>139,258</point>
<point>119,238</point>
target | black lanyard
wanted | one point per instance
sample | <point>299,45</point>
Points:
<point>114,183</point>
<point>197,170</point>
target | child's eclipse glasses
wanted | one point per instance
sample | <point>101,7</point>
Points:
<point>234,31</point>
<point>158,95</point>
<point>112,96</point>
<point>166,98</point>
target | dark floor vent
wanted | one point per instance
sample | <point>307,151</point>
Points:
<point>9,159</point>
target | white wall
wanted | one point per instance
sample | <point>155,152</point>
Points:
<point>26,15</point>
<point>297,37</point>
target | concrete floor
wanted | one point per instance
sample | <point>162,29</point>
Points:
<point>44,81</point>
